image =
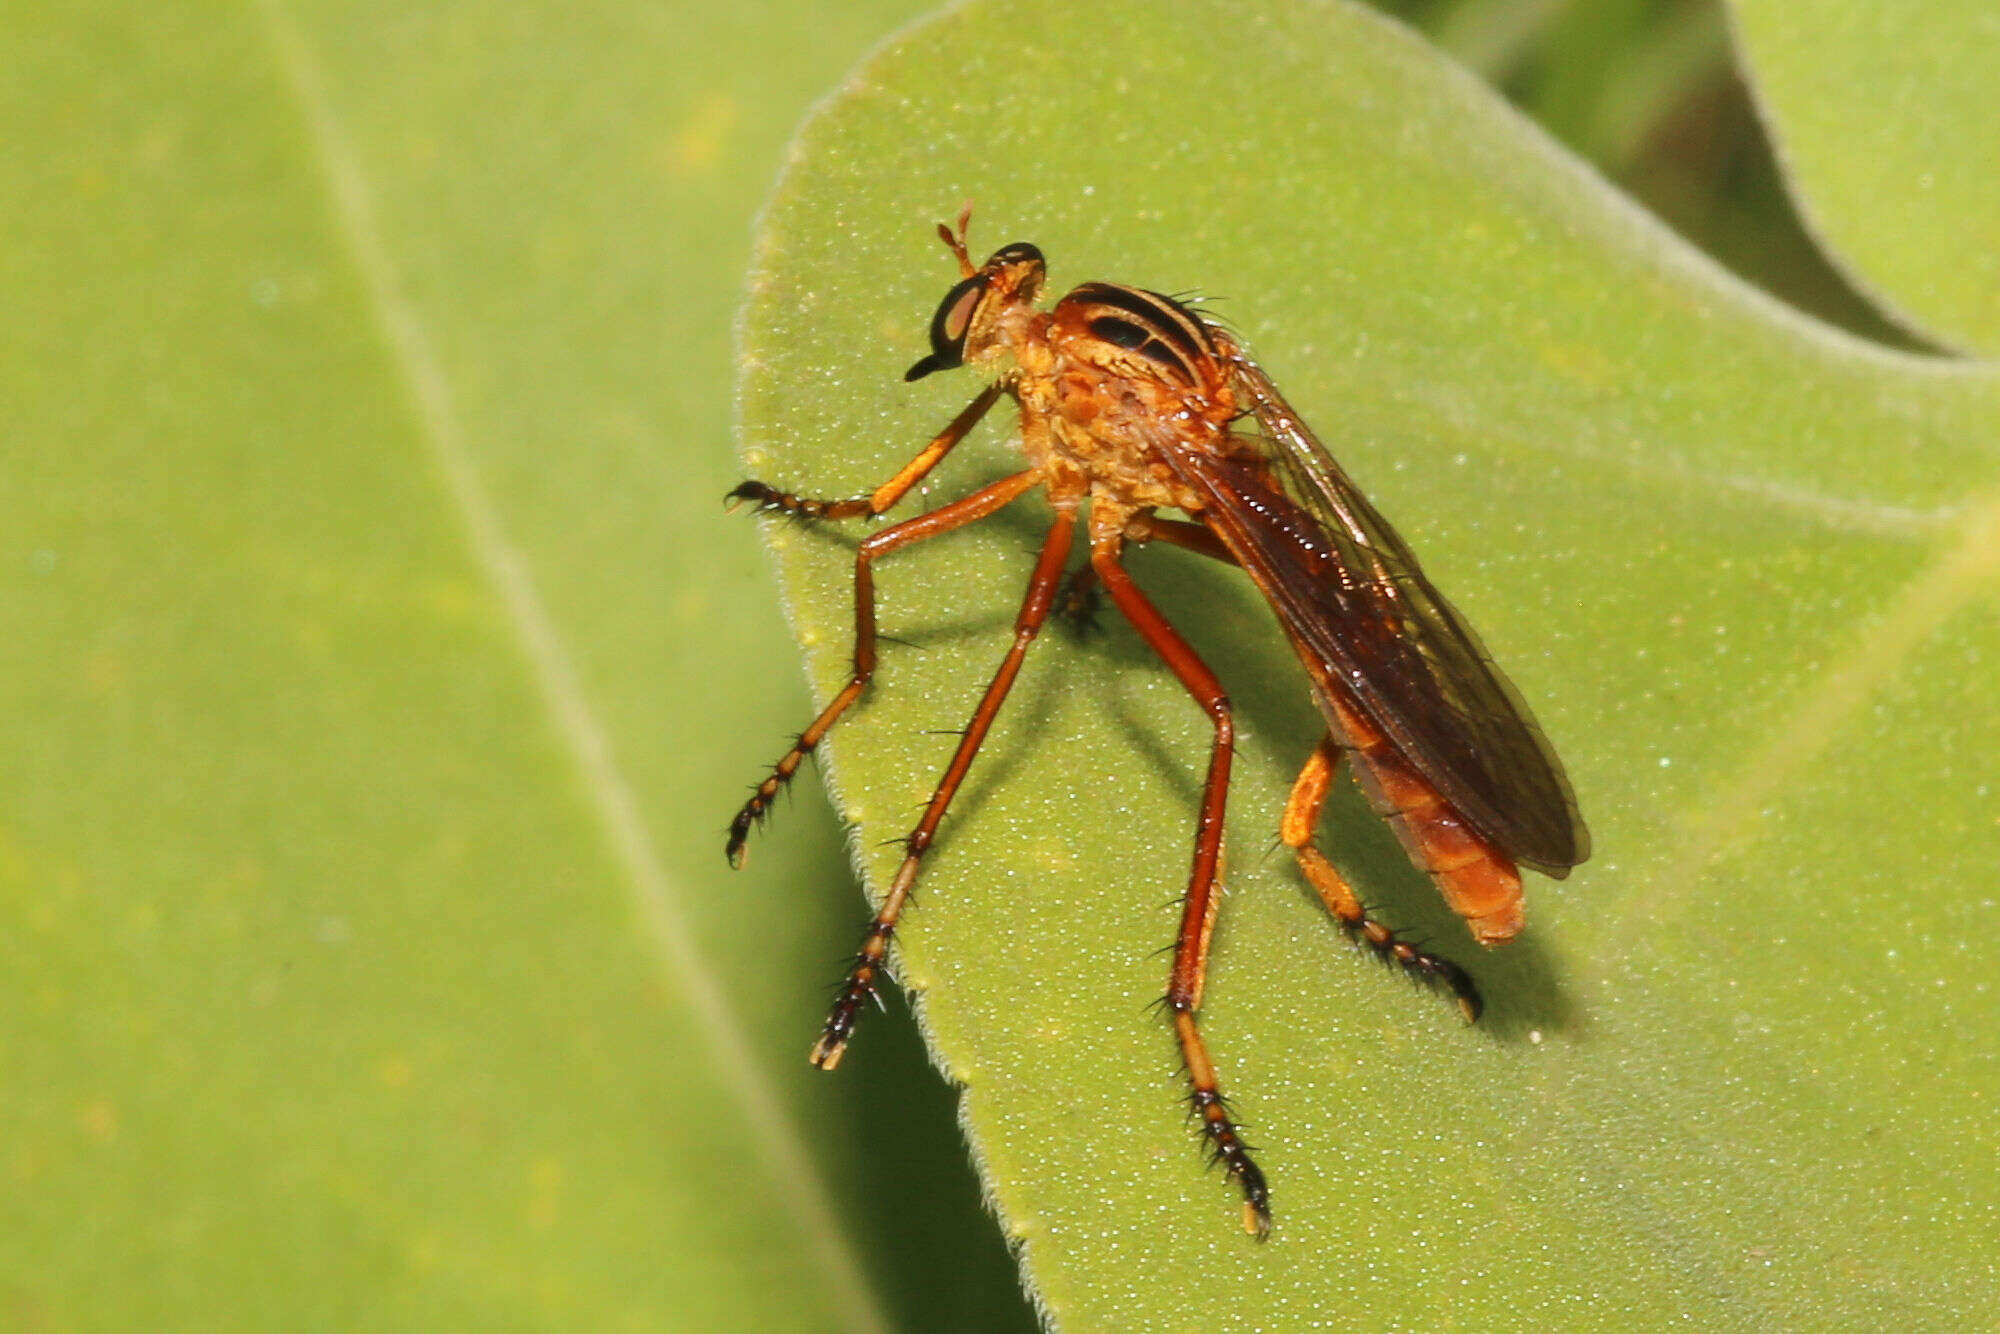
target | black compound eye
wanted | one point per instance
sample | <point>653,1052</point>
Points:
<point>949,327</point>
<point>954,315</point>
<point>1018,253</point>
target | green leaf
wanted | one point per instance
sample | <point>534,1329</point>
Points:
<point>1884,118</point>
<point>377,671</point>
<point>1742,564</point>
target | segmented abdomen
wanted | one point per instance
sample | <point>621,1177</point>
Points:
<point>1476,879</point>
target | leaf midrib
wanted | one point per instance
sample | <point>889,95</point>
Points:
<point>791,1172</point>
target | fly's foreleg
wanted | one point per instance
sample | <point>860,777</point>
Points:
<point>885,496</point>
<point>944,519</point>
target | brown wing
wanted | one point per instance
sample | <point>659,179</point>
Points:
<point>1367,622</point>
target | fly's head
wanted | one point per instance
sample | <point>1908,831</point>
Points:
<point>977,316</point>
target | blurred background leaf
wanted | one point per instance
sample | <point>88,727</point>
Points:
<point>377,669</point>
<point>1885,117</point>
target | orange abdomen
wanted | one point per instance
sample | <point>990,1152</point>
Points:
<point>1479,882</point>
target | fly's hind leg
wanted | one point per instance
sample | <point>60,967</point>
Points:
<point>1302,812</point>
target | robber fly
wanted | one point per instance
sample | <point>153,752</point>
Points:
<point>1138,404</point>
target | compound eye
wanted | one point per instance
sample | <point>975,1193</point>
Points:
<point>1020,252</point>
<point>949,327</point>
<point>954,317</point>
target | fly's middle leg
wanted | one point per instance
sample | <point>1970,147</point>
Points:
<point>1198,910</point>
<point>859,987</point>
